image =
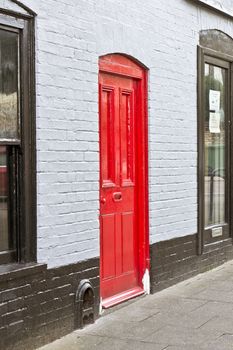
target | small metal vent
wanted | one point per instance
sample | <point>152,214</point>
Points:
<point>85,304</point>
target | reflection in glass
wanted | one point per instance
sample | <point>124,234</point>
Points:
<point>214,138</point>
<point>4,199</point>
<point>8,85</point>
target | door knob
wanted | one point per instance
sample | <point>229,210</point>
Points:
<point>103,200</point>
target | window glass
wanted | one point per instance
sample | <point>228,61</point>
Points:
<point>17,163</point>
<point>8,85</point>
<point>214,139</point>
<point>4,200</point>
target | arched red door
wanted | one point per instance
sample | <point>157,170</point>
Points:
<point>123,178</point>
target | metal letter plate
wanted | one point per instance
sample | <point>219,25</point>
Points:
<point>216,232</point>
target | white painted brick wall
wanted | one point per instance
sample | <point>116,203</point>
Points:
<point>70,36</point>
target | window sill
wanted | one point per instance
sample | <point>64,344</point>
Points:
<point>12,271</point>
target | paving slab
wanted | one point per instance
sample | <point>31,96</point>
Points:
<point>135,330</point>
<point>215,295</point>
<point>75,342</point>
<point>196,314</point>
<point>224,342</point>
<point>217,323</point>
<point>185,347</point>
<point>118,344</point>
<point>183,336</point>
<point>180,320</point>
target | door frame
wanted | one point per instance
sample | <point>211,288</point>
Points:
<point>124,65</point>
<point>208,55</point>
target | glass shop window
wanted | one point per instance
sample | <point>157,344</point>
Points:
<point>214,140</point>
<point>9,142</point>
<point>215,188</point>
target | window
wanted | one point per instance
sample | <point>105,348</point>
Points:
<point>214,150</point>
<point>17,139</point>
<point>214,145</point>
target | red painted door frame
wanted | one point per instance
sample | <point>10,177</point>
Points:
<point>123,66</point>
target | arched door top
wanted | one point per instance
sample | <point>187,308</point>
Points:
<point>122,64</point>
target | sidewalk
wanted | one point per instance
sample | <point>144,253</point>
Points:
<point>194,315</point>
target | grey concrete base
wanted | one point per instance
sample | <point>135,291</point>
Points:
<point>193,315</point>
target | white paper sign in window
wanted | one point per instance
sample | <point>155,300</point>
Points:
<point>214,100</point>
<point>214,122</point>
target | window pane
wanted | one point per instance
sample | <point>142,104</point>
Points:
<point>214,138</point>
<point>4,201</point>
<point>8,85</point>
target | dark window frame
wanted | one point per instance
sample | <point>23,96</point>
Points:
<point>214,52</point>
<point>25,222</point>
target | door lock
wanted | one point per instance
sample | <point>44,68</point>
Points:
<point>117,196</point>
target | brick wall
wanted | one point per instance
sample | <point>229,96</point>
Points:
<point>176,260</point>
<point>70,36</point>
<point>37,305</point>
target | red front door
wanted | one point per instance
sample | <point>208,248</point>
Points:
<point>119,102</point>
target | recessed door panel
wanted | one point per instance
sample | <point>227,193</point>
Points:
<point>108,226</point>
<point>128,244</point>
<point>127,136</point>
<point>107,128</point>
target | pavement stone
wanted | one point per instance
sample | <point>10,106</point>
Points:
<point>180,320</point>
<point>196,314</point>
<point>217,323</point>
<point>118,344</point>
<point>214,308</point>
<point>224,342</point>
<point>75,342</point>
<point>131,314</point>
<point>135,330</point>
<point>215,295</point>
<point>185,347</point>
<point>183,336</point>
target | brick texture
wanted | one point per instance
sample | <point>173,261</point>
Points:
<point>176,260</point>
<point>40,307</point>
<point>70,36</point>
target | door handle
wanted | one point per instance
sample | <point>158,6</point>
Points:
<point>117,196</point>
<point>103,200</point>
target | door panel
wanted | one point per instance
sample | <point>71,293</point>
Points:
<point>127,137</point>
<point>119,258</point>
<point>108,224</point>
<point>128,247</point>
<point>108,141</point>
